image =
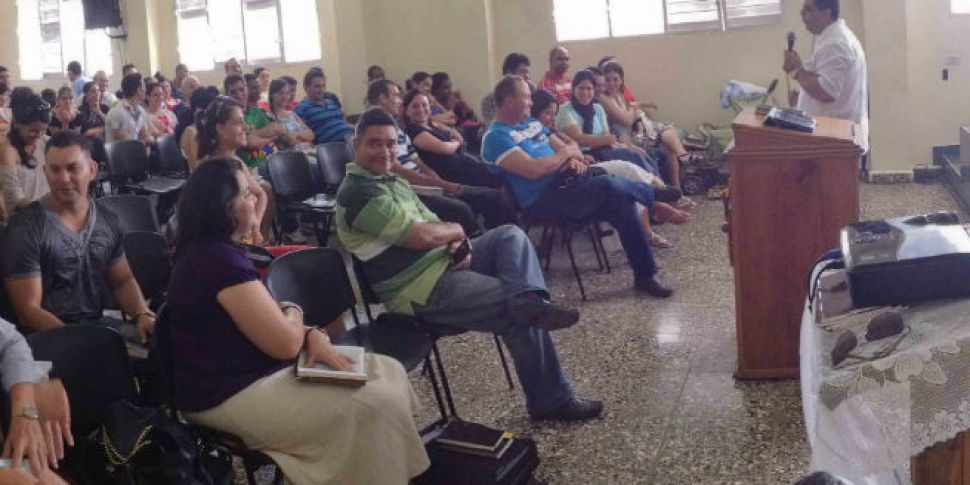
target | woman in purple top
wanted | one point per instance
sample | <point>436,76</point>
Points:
<point>233,348</point>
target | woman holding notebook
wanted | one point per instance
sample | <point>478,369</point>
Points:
<point>234,350</point>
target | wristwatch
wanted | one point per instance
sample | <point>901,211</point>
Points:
<point>28,412</point>
<point>147,313</point>
<point>289,304</point>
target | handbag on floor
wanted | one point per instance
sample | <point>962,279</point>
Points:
<point>492,457</point>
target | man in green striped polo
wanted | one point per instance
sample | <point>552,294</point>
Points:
<point>417,266</point>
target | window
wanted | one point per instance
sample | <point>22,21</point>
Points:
<point>593,19</point>
<point>960,6</point>
<point>212,31</point>
<point>51,34</point>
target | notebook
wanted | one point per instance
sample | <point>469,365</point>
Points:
<point>355,377</point>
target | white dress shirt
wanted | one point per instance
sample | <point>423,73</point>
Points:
<point>840,63</point>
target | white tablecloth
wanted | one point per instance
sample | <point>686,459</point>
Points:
<point>868,416</point>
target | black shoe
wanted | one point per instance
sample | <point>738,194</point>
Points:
<point>667,193</point>
<point>576,409</point>
<point>652,287</point>
<point>531,309</point>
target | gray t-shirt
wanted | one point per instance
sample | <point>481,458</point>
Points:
<point>72,265</point>
<point>124,117</point>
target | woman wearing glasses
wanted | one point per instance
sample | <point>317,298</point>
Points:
<point>22,179</point>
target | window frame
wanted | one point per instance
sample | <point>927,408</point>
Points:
<point>721,25</point>
<point>61,22</point>
<point>278,60</point>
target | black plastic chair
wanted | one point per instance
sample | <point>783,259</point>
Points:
<point>332,160</point>
<point>434,331</point>
<point>129,167</point>
<point>137,212</point>
<point>148,257</point>
<point>317,280</point>
<point>173,165</point>
<point>289,174</point>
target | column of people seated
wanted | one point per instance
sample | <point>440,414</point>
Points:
<point>578,148</point>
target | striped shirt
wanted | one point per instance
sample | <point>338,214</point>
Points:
<point>326,119</point>
<point>374,216</point>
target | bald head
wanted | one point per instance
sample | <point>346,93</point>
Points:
<point>189,85</point>
<point>559,60</point>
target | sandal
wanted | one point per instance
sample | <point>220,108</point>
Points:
<point>685,204</point>
<point>664,213</point>
<point>660,242</point>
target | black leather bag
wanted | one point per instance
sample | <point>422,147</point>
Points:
<point>515,467</point>
<point>144,446</point>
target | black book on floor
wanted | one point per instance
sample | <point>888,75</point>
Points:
<point>472,436</point>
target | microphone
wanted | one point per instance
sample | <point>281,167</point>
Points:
<point>791,41</point>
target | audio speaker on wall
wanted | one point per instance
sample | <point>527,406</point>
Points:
<point>99,14</point>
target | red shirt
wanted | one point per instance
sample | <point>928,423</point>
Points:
<point>561,88</point>
<point>628,95</point>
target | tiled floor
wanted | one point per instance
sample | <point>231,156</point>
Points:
<point>674,414</point>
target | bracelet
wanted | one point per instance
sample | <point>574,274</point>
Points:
<point>289,304</point>
<point>306,334</point>
<point>149,313</point>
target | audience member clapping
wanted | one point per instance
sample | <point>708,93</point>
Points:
<point>128,119</point>
<point>64,115</point>
<point>234,349</point>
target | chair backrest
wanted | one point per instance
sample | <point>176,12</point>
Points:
<point>93,364</point>
<point>171,155</point>
<point>289,173</point>
<point>316,279</point>
<point>137,212</point>
<point>147,255</point>
<point>332,160</point>
<point>126,159</point>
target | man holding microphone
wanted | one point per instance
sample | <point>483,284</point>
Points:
<point>833,80</point>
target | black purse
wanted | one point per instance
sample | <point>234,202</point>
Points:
<point>144,446</point>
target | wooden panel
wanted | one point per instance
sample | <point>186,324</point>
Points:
<point>791,193</point>
<point>942,464</point>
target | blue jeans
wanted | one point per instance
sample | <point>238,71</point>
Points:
<point>605,198</point>
<point>630,156</point>
<point>504,264</point>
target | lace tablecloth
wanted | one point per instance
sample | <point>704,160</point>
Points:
<point>894,397</point>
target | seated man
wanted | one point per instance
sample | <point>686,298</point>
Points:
<point>127,119</point>
<point>64,252</point>
<point>321,110</point>
<point>555,81</point>
<point>262,132</point>
<point>420,266</point>
<point>41,416</point>
<point>548,179</point>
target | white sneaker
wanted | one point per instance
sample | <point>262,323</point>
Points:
<point>295,237</point>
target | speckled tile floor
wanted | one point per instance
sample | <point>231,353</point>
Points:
<point>674,414</point>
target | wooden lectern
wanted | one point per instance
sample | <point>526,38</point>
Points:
<point>791,193</point>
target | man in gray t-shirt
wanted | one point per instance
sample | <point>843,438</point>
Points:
<point>63,253</point>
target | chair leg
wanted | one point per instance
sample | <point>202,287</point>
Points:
<point>602,248</point>
<point>545,247</point>
<point>572,260</point>
<point>591,230</point>
<point>444,379</point>
<point>434,387</point>
<point>505,364</point>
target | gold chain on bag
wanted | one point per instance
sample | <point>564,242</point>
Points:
<point>115,457</point>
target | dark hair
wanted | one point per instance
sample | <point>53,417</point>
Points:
<point>69,138</point>
<point>205,208</point>
<point>831,5</point>
<point>604,60</point>
<point>614,67</point>
<point>182,67</point>
<point>149,87</point>
<point>312,74</point>
<point>258,70</point>
<point>587,112</point>
<point>27,108</point>
<point>275,86</point>
<point>199,101</point>
<point>438,81</point>
<point>541,99</point>
<point>373,71</point>
<point>373,117</point>
<point>128,66</point>
<point>87,87</point>
<point>130,84</point>
<point>513,61</point>
<point>250,78</point>
<point>289,80</point>
<point>159,77</point>
<point>506,88</point>
<point>595,70</point>
<point>418,78</point>
<point>4,89</point>
<point>378,88</point>
<point>408,98</point>
<point>74,67</point>
<point>230,80</point>
<point>215,114</point>
<point>49,95</point>
<point>4,69</point>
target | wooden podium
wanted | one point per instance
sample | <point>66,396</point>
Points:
<point>791,193</point>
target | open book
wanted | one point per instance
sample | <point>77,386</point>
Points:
<point>355,377</point>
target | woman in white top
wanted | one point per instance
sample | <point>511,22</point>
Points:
<point>22,178</point>
<point>161,121</point>
<point>297,132</point>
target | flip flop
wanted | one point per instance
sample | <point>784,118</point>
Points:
<point>660,242</point>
